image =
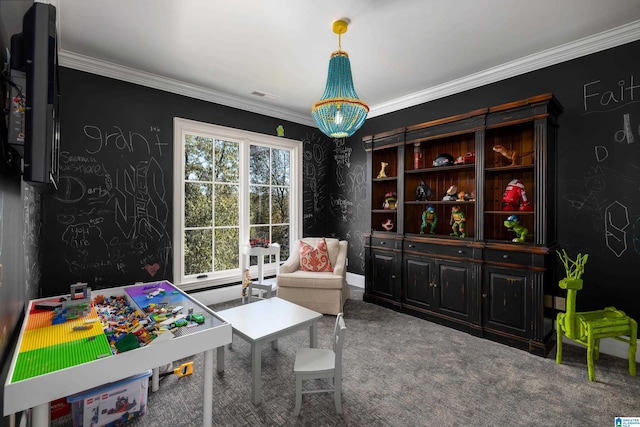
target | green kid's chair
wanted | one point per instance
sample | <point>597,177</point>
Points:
<point>588,327</point>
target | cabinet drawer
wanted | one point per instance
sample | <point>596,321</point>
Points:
<point>383,243</point>
<point>435,249</point>
<point>508,257</point>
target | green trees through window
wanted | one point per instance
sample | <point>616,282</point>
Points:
<point>223,207</point>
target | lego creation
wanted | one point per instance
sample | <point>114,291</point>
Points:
<point>66,336</point>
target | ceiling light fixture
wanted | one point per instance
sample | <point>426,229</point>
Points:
<point>339,112</point>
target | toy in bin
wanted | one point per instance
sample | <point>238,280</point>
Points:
<point>112,404</point>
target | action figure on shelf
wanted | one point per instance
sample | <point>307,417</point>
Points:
<point>465,197</point>
<point>451,195</point>
<point>423,191</point>
<point>515,198</point>
<point>457,222</point>
<point>382,173</point>
<point>429,219</point>
<point>390,200</point>
<point>513,223</point>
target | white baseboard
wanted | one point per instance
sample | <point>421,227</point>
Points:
<point>215,296</point>
<point>356,280</point>
<point>608,346</point>
<point>229,293</point>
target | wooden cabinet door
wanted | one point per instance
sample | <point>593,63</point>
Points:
<point>507,301</point>
<point>418,281</point>
<point>452,289</point>
<point>384,274</point>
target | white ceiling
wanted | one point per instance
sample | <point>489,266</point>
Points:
<point>403,52</point>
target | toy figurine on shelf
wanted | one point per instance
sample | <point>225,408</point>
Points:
<point>382,173</point>
<point>423,191</point>
<point>515,198</point>
<point>463,196</point>
<point>429,220</point>
<point>457,222</point>
<point>390,200</point>
<point>513,224</point>
<point>387,224</point>
<point>451,194</point>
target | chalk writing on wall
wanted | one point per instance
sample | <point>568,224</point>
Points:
<point>600,97</point>
<point>113,214</point>
<point>315,182</point>
<point>342,157</point>
<point>614,165</point>
<point>348,204</point>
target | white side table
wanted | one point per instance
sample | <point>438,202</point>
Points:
<point>260,252</point>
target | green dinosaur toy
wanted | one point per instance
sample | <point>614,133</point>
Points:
<point>513,223</point>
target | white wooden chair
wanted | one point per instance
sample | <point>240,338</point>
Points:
<point>314,363</point>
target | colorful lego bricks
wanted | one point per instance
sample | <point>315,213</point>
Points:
<point>46,347</point>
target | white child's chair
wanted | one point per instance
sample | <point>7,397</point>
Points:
<point>313,363</point>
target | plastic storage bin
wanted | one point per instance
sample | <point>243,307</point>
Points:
<point>111,404</point>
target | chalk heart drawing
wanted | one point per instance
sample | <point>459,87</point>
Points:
<point>152,269</point>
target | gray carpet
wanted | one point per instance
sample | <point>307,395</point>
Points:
<point>404,371</point>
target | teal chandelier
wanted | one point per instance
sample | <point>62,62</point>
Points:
<point>339,112</point>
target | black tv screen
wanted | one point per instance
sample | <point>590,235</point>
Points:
<point>40,63</point>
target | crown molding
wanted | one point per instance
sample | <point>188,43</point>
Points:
<point>585,46</point>
<point>131,75</point>
<point>566,52</point>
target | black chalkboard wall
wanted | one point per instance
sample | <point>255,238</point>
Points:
<point>110,223</point>
<point>117,153</point>
<point>598,157</point>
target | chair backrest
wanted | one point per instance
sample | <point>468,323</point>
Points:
<point>339,332</point>
<point>262,287</point>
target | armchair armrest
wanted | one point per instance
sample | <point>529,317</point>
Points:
<point>292,264</point>
<point>341,261</point>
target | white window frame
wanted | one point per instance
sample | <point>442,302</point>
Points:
<point>182,127</point>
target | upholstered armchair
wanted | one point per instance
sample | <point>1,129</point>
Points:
<point>322,291</point>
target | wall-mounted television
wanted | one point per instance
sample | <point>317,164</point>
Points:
<point>34,97</point>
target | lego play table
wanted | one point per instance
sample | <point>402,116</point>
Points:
<point>57,360</point>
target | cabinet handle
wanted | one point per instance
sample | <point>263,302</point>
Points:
<point>484,295</point>
<point>410,246</point>
<point>505,256</point>
<point>382,243</point>
<point>460,251</point>
<point>393,276</point>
